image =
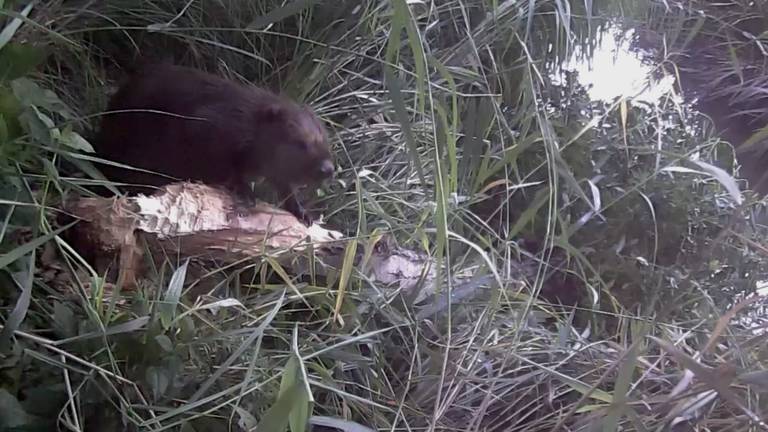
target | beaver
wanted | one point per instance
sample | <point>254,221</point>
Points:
<point>192,125</point>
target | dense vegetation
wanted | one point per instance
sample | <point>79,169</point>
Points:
<point>457,135</point>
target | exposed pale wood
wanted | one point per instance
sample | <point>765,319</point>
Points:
<point>192,220</point>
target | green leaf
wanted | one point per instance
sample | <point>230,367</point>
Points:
<point>64,320</point>
<point>725,179</point>
<point>401,113</point>
<point>164,342</point>
<point>158,381</point>
<point>126,327</point>
<point>45,401</point>
<point>247,421</point>
<point>37,124</point>
<point>30,94</point>
<point>402,15</point>
<point>87,167</point>
<point>346,272</point>
<point>528,216</point>
<point>299,414</point>
<point>619,406</point>
<point>449,125</point>
<point>293,405</point>
<point>167,308</point>
<point>3,130</point>
<point>50,170</point>
<point>276,417</point>
<point>12,414</point>
<point>17,60</point>
<point>20,309</point>
<point>26,248</point>
<point>441,223</point>
<point>186,329</point>
<point>3,135</point>
<point>394,85</point>
<point>10,109</point>
<point>72,139</point>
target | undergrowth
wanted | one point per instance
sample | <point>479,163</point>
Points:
<point>453,140</point>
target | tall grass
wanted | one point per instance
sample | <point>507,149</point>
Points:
<point>453,140</point>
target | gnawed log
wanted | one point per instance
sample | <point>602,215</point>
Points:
<point>192,220</point>
<point>206,224</point>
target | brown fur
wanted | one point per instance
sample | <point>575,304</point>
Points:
<point>205,128</point>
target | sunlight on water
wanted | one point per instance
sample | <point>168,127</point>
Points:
<point>615,71</point>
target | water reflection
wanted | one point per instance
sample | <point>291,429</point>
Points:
<point>616,71</point>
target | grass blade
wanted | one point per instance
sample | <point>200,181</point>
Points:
<point>172,295</point>
<point>22,305</point>
<point>257,333</point>
<point>10,30</point>
<point>26,248</point>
